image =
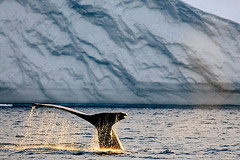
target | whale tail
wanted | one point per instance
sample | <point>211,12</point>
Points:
<point>103,122</point>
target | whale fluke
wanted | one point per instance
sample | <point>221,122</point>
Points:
<point>103,122</point>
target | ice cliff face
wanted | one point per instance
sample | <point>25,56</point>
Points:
<point>122,51</point>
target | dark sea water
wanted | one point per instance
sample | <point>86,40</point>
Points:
<point>149,132</point>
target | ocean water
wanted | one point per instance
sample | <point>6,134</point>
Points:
<point>148,132</point>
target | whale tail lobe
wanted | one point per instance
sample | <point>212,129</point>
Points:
<point>103,122</point>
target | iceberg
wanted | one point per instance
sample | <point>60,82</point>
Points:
<point>122,52</point>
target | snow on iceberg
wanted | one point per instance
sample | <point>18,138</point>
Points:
<point>123,51</point>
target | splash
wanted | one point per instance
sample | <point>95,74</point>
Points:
<point>42,146</point>
<point>29,124</point>
<point>94,142</point>
<point>48,129</point>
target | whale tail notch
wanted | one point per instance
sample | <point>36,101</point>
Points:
<point>103,122</point>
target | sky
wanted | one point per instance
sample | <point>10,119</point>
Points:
<point>229,9</point>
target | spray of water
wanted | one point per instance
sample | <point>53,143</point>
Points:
<point>47,129</point>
